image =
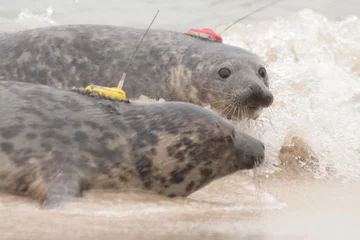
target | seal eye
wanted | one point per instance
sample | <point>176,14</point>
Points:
<point>224,73</point>
<point>262,72</point>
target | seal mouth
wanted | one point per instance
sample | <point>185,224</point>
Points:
<point>254,162</point>
<point>244,108</point>
<point>244,105</point>
<point>256,112</point>
<point>249,104</point>
<point>251,162</point>
<point>237,111</point>
<point>253,113</point>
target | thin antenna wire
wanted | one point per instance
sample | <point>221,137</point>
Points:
<point>121,82</point>
<point>257,10</point>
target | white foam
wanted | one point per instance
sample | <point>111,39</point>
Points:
<point>314,70</point>
<point>37,19</point>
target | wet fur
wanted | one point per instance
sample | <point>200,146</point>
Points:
<point>54,144</point>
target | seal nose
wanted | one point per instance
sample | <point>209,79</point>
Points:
<point>253,161</point>
<point>268,98</point>
<point>258,159</point>
<point>250,151</point>
<point>261,96</point>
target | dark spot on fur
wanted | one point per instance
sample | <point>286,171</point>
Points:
<point>153,151</point>
<point>71,105</point>
<point>147,183</point>
<point>57,107</point>
<point>124,179</point>
<point>92,124</point>
<point>178,175</point>
<point>22,183</point>
<point>47,147</point>
<point>14,90</point>
<point>207,163</point>
<point>176,178</point>
<point>81,136</point>
<point>190,186</point>
<point>101,151</point>
<point>171,195</point>
<point>143,165</point>
<point>20,119</point>
<point>34,125</point>
<point>53,134</point>
<point>140,143</point>
<point>206,172</point>
<point>23,189</point>
<point>188,132</point>
<point>6,147</point>
<point>58,123</point>
<point>144,139</point>
<point>151,138</point>
<point>119,124</point>
<point>28,151</point>
<point>32,110</point>
<point>30,135</point>
<point>162,179</point>
<point>110,109</point>
<point>194,152</point>
<point>172,129</point>
<point>23,155</point>
<point>108,136</point>
<point>172,149</point>
<point>76,124</point>
<point>180,155</point>
<point>103,167</point>
<point>11,131</point>
<point>84,162</point>
<point>183,148</point>
<point>186,141</point>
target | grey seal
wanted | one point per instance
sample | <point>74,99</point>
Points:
<point>168,65</point>
<point>55,144</point>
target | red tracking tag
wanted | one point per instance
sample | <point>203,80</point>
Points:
<point>205,33</point>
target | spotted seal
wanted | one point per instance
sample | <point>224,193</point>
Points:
<point>168,65</point>
<point>55,143</point>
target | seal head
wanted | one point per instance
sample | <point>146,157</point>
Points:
<point>234,82</point>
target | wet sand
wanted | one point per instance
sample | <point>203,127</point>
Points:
<point>315,209</point>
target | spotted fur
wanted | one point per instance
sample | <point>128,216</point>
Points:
<point>54,144</point>
<point>168,65</point>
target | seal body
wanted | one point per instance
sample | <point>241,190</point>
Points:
<point>168,65</point>
<point>55,143</point>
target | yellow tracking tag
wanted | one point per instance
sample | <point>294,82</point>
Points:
<point>110,92</point>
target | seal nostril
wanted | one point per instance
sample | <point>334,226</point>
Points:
<point>269,99</point>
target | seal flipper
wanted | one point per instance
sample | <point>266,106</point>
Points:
<point>63,185</point>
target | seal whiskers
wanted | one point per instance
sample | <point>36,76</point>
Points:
<point>235,106</point>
